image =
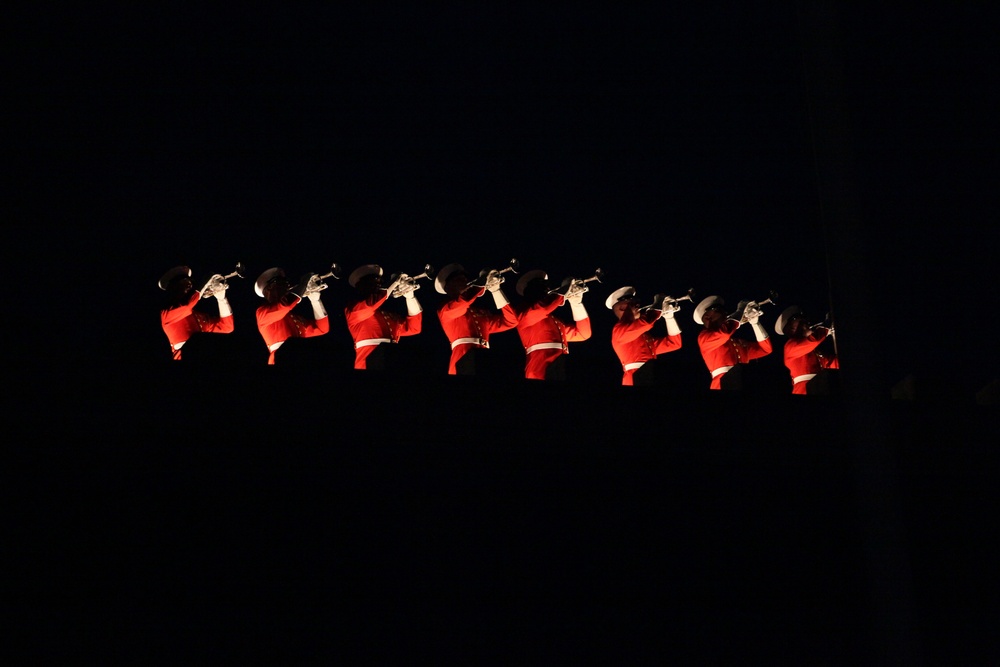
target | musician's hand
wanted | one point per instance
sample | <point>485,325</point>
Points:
<point>752,315</point>
<point>493,280</point>
<point>314,297</point>
<point>575,297</point>
<point>219,290</point>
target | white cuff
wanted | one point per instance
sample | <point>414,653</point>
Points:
<point>225,310</point>
<point>759,332</point>
<point>499,299</point>
<point>579,312</point>
<point>412,305</point>
<point>673,328</point>
<point>319,310</point>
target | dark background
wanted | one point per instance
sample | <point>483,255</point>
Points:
<point>841,156</point>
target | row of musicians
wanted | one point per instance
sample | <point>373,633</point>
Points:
<point>545,336</point>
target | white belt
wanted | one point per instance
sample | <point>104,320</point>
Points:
<point>634,365</point>
<point>544,346</point>
<point>803,378</point>
<point>719,371</point>
<point>274,346</point>
<point>368,342</point>
<point>179,345</point>
<point>469,341</point>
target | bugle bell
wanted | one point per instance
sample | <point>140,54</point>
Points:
<point>486,274</point>
<point>741,310</point>
<point>219,281</point>
<point>403,284</point>
<point>316,282</point>
<point>574,286</point>
<point>661,301</point>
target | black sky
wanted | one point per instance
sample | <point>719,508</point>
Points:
<point>673,147</point>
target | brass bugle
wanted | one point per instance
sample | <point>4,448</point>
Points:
<point>217,279</point>
<point>403,283</point>
<point>771,299</point>
<point>512,267</point>
<point>660,299</point>
<point>316,283</point>
<point>571,286</point>
<point>827,323</point>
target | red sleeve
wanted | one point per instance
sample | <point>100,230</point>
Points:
<point>578,331</point>
<point>541,310</point>
<point>711,340</point>
<point>795,348</point>
<point>367,307</point>
<point>275,312</point>
<point>312,328</point>
<point>756,349</point>
<point>503,320</point>
<point>459,306</point>
<point>217,324</point>
<point>408,326</point>
<point>667,344</point>
<point>626,333</point>
<point>178,313</point>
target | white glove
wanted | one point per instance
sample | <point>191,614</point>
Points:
<point>493,280</point>
<point>214,285</point>
<point>673,328</point>
<point>752,314</point>
<point>579,312</point>
<point>499,298</point>
<point>412,305</point>
<point>575,298</point>
<point>759,331</point>
<point>224,308</point>
<point>319,310</point>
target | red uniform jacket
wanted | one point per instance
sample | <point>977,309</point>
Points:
<point>719,349</point>
<point>634,344</point>
<point>461,321</point>
<point>181,321</point>
<point>277,323</point>
<point>367,323</point>
<point>538,326</point>
<point>803,361</point>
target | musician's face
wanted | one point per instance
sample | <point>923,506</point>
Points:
<point>713,316</point>
<point>370,283</point>
<point>630,306</point>
<point>182,287</point>
<point>796,327</point>
<point>456,283</point>
<point>275,289</point>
